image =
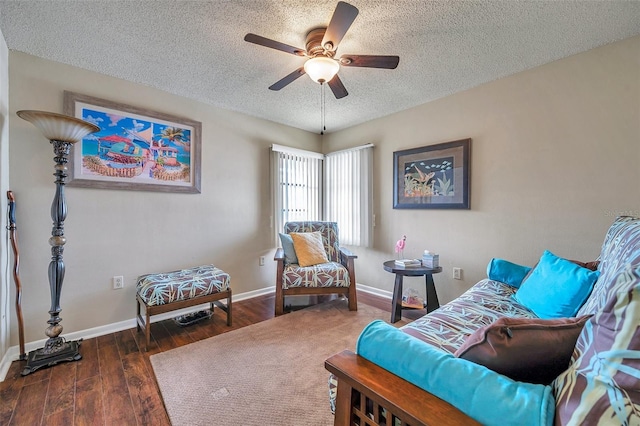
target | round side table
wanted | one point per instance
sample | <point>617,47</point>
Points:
<point>411,271</point>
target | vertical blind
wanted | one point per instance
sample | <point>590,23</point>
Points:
<point>348,194</point>
<point>296,186</point>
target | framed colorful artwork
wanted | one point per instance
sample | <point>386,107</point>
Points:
<point>432,177</point>
<point>135,149</point>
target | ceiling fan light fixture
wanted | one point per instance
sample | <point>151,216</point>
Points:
<point>321,69</point>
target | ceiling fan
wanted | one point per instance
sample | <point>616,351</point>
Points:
<point>321,46</point>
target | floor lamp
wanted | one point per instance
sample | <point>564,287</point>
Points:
<point>62,131</point>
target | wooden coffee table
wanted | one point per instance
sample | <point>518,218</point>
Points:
<point>411,271</point>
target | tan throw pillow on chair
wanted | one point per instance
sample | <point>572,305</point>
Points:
<point>309,248</point>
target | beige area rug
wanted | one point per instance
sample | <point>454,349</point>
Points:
<point>269,373</point>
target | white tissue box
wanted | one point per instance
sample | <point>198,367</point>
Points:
<point>430,260</point>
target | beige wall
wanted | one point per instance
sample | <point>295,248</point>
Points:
<point>555,155</point>
<point>131,233</point>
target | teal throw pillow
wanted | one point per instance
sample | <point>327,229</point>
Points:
<point>507,272</point>
<point>289,252</point>
<point>556,288</point>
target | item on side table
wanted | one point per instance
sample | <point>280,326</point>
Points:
<point>400,245</point>
<point>411,299</point>
<point>430,260</point>
<point>408,262</point>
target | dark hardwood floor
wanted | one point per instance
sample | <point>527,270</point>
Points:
<point>114,383</point>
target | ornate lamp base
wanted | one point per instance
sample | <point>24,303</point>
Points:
<point>56,350</point>
<point>62,131</point>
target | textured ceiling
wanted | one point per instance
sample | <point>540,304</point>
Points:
<point>196,49</point>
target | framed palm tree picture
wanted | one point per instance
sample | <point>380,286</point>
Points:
<point>432,177</point>
<point>135,149</point>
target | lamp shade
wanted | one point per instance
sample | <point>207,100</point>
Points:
<point>58,126</point>
<point>321,69</point>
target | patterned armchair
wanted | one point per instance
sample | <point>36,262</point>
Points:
<point>337,276</point>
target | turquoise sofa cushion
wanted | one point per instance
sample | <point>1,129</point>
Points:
<point>556,288</point>
<point>482,394</point>
<point>507,272</point>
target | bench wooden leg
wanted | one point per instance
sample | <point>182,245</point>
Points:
<point>145,322</point>
<point>229,319</point>
<point>147,330</point>
<point>137,315</point>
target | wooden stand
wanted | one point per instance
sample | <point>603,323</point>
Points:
<point>411,271</point>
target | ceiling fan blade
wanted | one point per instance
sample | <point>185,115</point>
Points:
<point>370,61</point>
<point>342,18</point>
<point>288,79</point>
<point>338,89</point>
<point>267,42</point>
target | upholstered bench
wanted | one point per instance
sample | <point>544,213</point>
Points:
<point>168,291</point>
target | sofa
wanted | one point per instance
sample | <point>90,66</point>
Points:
<point>553,343</point>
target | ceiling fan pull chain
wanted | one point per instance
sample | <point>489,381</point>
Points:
<point>322,111</point>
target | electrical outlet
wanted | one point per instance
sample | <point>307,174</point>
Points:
<point>118,282</point>
<point>261,260</point>
<point>457,273</point>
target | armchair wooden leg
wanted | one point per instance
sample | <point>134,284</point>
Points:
<point>279,283</point>
<point>353,298</point>
<point>279,301</point>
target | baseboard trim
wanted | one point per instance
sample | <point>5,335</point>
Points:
<point>13,353</point>
<point>375,291</point>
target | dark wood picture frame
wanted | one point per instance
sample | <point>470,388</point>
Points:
<point>433,177</point>
<point>136,148</point>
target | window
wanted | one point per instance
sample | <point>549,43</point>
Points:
<point>338,191</point>
<point>348,194</point>
<point>296,186</point>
